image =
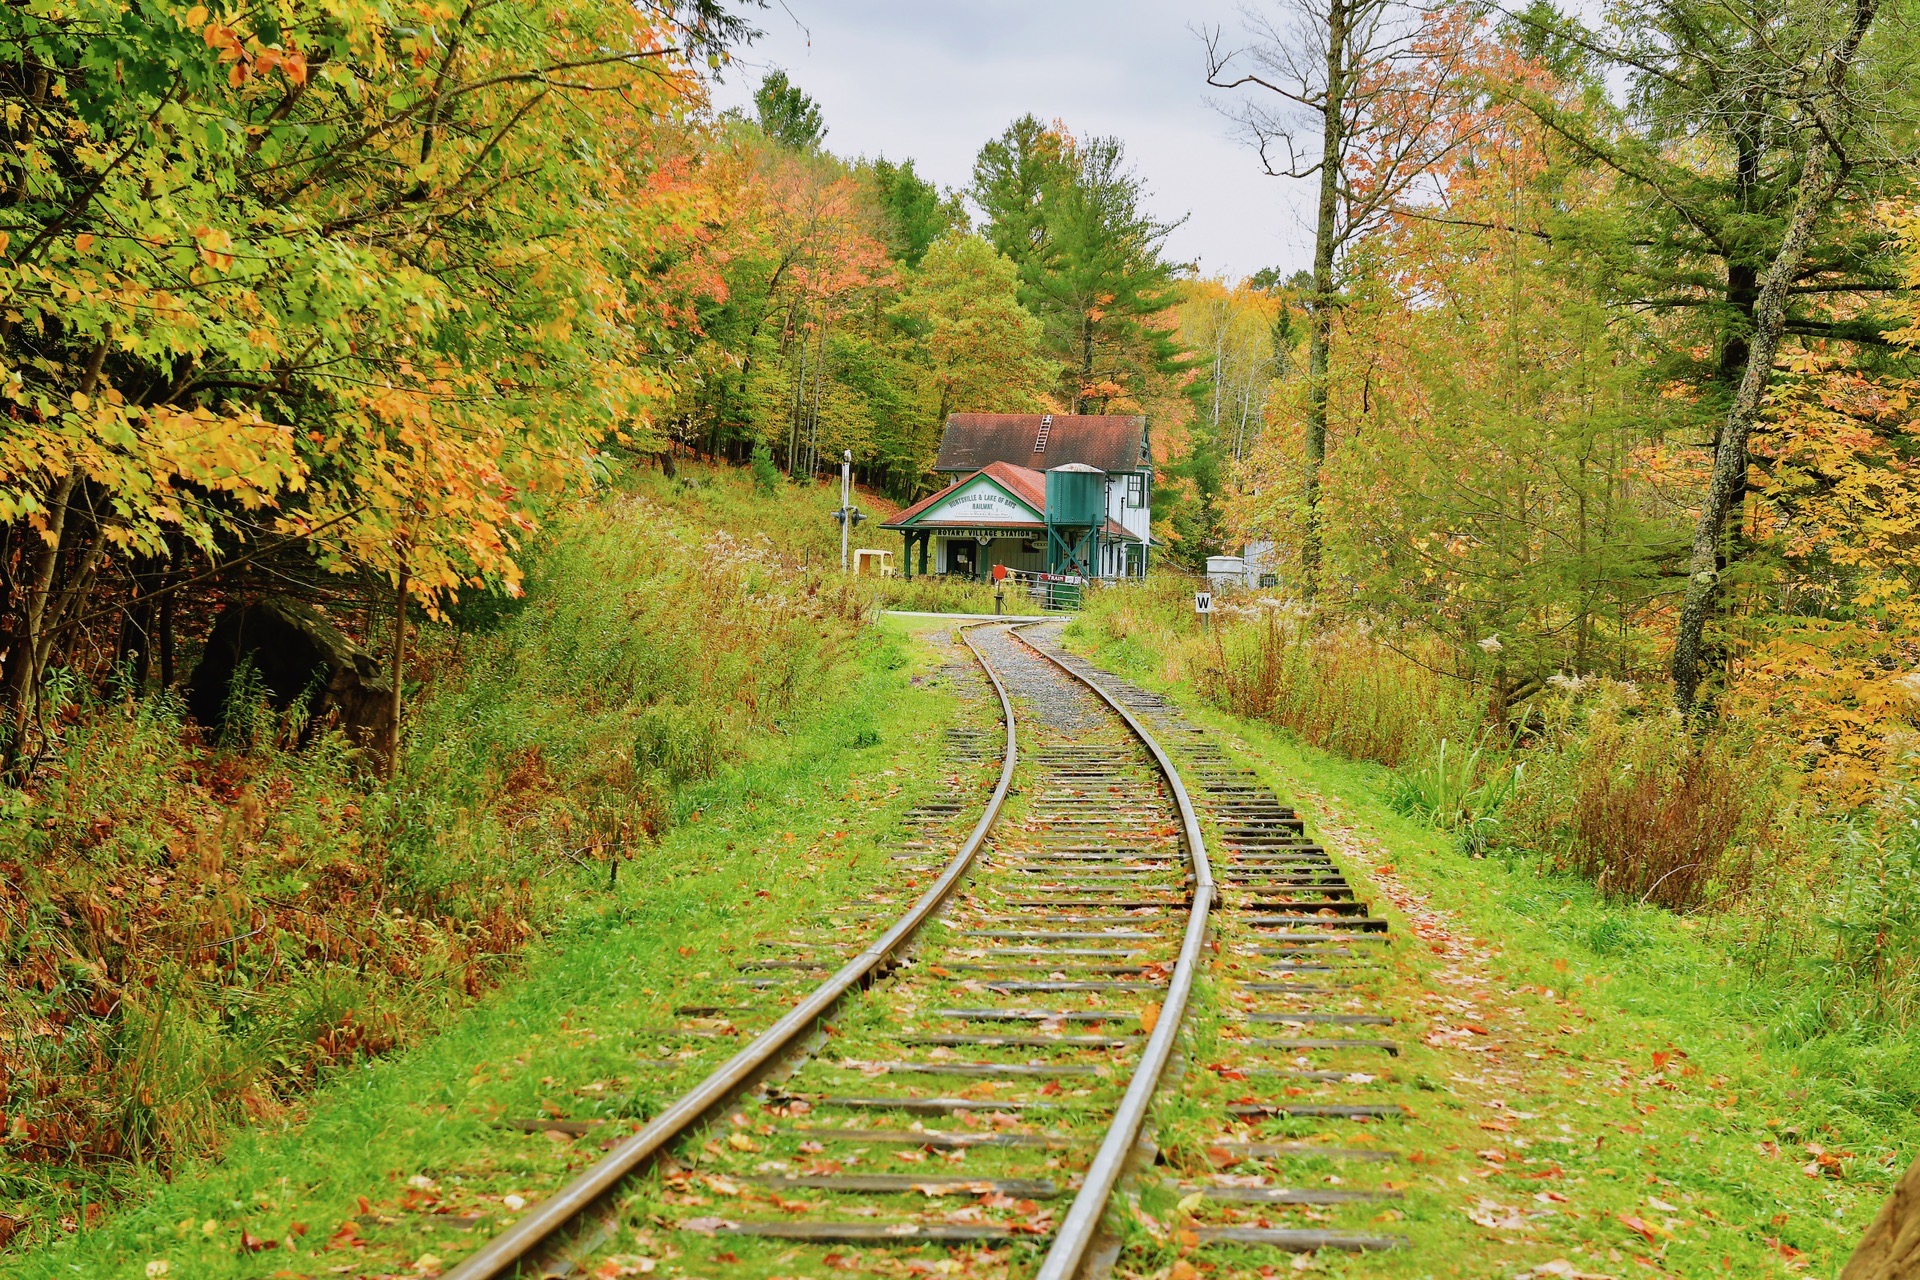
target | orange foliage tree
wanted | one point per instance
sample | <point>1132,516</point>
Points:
<point>1826,619</point>
<point>367,281</point>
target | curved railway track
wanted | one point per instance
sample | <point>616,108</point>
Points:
<point>977,1078</point>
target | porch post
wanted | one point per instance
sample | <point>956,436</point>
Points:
<point>926,540</point>
<point>906,537</point>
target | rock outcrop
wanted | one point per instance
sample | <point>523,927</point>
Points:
<point>1891,1248</point>
<point>296,654</point>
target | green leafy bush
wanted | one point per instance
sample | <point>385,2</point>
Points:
<point>1458,789</point>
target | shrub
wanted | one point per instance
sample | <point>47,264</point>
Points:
<point>1620,792</point>
<point>1658,831</point>
<point>766,476</point>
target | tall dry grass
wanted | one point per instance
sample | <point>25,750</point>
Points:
<point>1607,784</point>
<point>1337,688</point>
<point>1333,684</point>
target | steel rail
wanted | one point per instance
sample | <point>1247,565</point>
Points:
<point>504,1252</point>
<point>1070,1243</point>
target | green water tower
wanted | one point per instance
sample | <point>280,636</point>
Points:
<point>1076,515</point>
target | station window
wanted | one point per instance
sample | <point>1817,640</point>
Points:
<point>1137,489</point>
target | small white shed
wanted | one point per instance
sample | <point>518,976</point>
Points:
<point>1227,571</point>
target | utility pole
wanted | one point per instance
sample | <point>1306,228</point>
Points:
<point>846,503</point>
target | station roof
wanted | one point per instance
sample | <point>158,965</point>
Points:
<point>1023,484</point>
<point>1110,442</point>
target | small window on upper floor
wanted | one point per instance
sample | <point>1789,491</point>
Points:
<point>1137,489</point>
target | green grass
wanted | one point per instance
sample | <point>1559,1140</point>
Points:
<point>929,594</point>
<point>787,835</point>
<point>1723,1133</point>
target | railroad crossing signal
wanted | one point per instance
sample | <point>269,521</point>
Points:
<point>1203,602</point>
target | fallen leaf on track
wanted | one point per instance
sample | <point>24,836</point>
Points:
<point>623,1264</point>
<point>1497,1217</point>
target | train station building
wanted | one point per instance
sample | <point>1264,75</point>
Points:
<point>1042,494</point>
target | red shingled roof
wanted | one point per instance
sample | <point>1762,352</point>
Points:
<point>1027,485</point>
<point>1112,442</point>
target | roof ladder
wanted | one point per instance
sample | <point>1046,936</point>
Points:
<point>1046,426</point>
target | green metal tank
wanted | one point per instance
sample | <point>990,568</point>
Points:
<point>1076,496</point>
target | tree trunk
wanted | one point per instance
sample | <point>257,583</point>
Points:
<point>399,665</point>
<point>22,674</point>
<point>27,656</point>
<point>1326,232</point>
<point>1729,474</point>
<point>176,553</point>
<point>1891,1248</point>
<point>1085,379</point>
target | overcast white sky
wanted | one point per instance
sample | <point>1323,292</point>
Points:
<point>931,80</point>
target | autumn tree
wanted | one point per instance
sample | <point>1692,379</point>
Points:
<point>1240,341</point>
<point>1360,97</point>
<point>1241,337</point>
<point>1503,492</point>
<point>1754,145</point>
<point>802,351</point>
<point>250,304</point>
<point>980,348</point>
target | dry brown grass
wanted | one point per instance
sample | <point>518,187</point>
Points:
<point>1662,832</point>
<point>1336,687</point>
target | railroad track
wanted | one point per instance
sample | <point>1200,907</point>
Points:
<point>978,1078</point>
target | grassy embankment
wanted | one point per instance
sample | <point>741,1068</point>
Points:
<point>199,935</point>
<point>1594,1079</point>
